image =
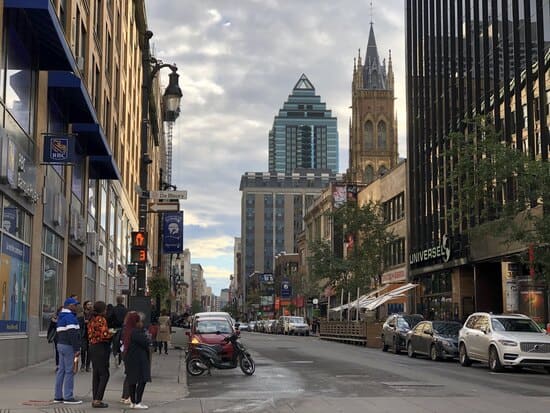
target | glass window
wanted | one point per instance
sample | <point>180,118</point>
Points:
<point>89,281</point>
<point>103,209</point>
<point>381,135</point>
<point>368,132</point>
<point>112,215</point>
<point>14,285</point>
<point>15,220</point>
<point>51,286</point>
<point>369,174</point>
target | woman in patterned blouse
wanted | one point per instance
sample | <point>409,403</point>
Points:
<point>99,338</point>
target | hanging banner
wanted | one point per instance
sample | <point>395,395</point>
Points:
<point>172,232</point>
<point>286,289</point>
<point>58,149</point>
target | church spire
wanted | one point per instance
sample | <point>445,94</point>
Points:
<point>390,72</point>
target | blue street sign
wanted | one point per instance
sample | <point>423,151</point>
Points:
<point>172,232</point>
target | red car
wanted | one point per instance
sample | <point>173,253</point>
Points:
<point>212,331</point>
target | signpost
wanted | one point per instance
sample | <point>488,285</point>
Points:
<point>164,207</point>
<point>157,195</point>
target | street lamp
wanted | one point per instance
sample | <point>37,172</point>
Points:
<point>171,101</point>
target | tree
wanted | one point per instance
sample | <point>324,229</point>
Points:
<point>159,287</point>
<point>363,232</point>
<point>499,189</point>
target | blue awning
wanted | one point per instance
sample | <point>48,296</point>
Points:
<point>91,138</point>
<point>72,97</point>
<point>103,167</point>
<point>53,51</point>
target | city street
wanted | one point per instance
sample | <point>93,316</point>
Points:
<point>301,374</point>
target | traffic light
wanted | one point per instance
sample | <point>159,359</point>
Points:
<point>139,247</point>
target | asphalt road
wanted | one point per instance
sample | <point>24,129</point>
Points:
<point>310,375</point>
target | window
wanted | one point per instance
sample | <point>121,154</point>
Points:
<point>394,209</point>
<point>52,247</point>
<point>381,135</point>
<point>15,221</point>
<point>369,174</point>
<point>368,135</point>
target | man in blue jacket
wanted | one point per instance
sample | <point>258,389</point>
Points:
<point>68,347</point>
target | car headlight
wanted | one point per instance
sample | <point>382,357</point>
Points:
<point>195,340</point>
<point>509,343</point>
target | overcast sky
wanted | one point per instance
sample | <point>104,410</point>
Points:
<point>238,61</point>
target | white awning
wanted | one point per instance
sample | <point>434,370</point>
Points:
<point>398,292</point>
<point>363,300</point>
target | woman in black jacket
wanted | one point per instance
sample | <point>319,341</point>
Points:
<point>137,360</point>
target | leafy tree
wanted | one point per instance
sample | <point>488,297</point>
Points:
<point>363,231</point>
<point>499,190</point>
<point>159,287</point>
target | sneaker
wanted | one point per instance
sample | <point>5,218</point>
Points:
<point>139,406</point>
<point>58,400</point>
<point>126,401</point>
<point>72,401</point>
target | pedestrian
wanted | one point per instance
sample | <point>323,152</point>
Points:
<point>109,316</point>
<point>52,335</point>
<point>118,315</point>
<point>99,337</point>
<point>130,322</point>
<point>137,359</point>
<point>88,310</point>
<point>153,332</point>
<point>163,335</point>
<point>68,346</point>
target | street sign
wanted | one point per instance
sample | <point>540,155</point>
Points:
<point>164,207</point>
<point>167,194</point>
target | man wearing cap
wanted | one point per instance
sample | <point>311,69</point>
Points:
<point>68,347</point>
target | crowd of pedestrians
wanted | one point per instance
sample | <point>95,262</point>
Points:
<point>90,333</point>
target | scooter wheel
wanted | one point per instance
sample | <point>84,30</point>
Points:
<point>247,365</point>
<point>192,366</point>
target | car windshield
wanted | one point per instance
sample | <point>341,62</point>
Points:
<point>524,325</point>
<point>408,321</point>
<point>297,320</point>
<point>446,329</point>
<point>213,327</point>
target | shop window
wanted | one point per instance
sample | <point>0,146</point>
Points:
<point>52,249</point>
<point>15,220</point>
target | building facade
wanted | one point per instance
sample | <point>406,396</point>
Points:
<point>373,126</point>
<point>71,70</point>
<point>468,61</point>
<point>304,133</point>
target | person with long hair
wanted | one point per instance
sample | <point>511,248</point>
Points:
<point>88,307</point>
<point>136,358</point>
<point>99,338</point>
<point>130,322</point>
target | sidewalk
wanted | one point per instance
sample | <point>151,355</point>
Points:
<point>31,389</point>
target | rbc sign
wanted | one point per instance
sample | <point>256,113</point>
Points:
<point>286,289</point>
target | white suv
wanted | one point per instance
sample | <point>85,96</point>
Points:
<point>503,340</point>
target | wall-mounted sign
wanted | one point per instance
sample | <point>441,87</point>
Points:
<point>443,251</point>
<point>58,149</point>
<point>394,276</point>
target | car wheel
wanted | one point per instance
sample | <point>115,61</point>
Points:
<point>494,361</point>
<point>410,350</point>
<point>396,348</point>
<point>463,356</point>
<point>434,355</point>
<point>384,345</point>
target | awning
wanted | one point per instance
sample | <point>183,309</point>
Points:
<point>53,51</point>
<point>103,167</point>
<point>398,292</point>
<point>363,300</point>
<point>90,136</point>
<point>71,95</point>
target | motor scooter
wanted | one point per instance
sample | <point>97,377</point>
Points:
<point>202,357</point>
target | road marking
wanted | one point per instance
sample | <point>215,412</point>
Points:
<point>300,362</point>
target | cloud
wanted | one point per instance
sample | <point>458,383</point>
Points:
<point>238,61</point>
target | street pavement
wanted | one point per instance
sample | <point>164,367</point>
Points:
<point>31,389</point>
<point>303,374</point>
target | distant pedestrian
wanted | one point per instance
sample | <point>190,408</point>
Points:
<point>68,346</point>
<point>163,336</point>
<point>52,335</point>
<point>117,321</point>
<point>88,309</point>
<point>137,359</point>
<point>99,337</point>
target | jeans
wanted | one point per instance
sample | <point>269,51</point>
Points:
<point>99,354</point>
<point>64,378</point>
<point>136,392</point>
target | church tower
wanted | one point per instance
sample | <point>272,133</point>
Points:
<point>373,125</point>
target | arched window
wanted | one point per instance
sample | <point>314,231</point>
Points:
<point>369,174</point>
<point>382,135</point>
<point>382,170</point>
<point>369,138</point>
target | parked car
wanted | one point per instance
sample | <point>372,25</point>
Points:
<point>216,314</point>
<point>270,326</point>
<point>242,326</point>
<point>212,330</point>
<point>435,339</point>
<point>297,326</point>
<point>503,340</point>
<point>251,326</point>
<point>395,329</point>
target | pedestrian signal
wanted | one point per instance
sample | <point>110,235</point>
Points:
<point>139,256</point>
<point>139,239</point>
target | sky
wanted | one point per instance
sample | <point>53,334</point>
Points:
<point>238,61</point>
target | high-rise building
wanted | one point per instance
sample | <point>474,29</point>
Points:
<point>373,126</point>
<point>304,133</point>
<point>468,58</point>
